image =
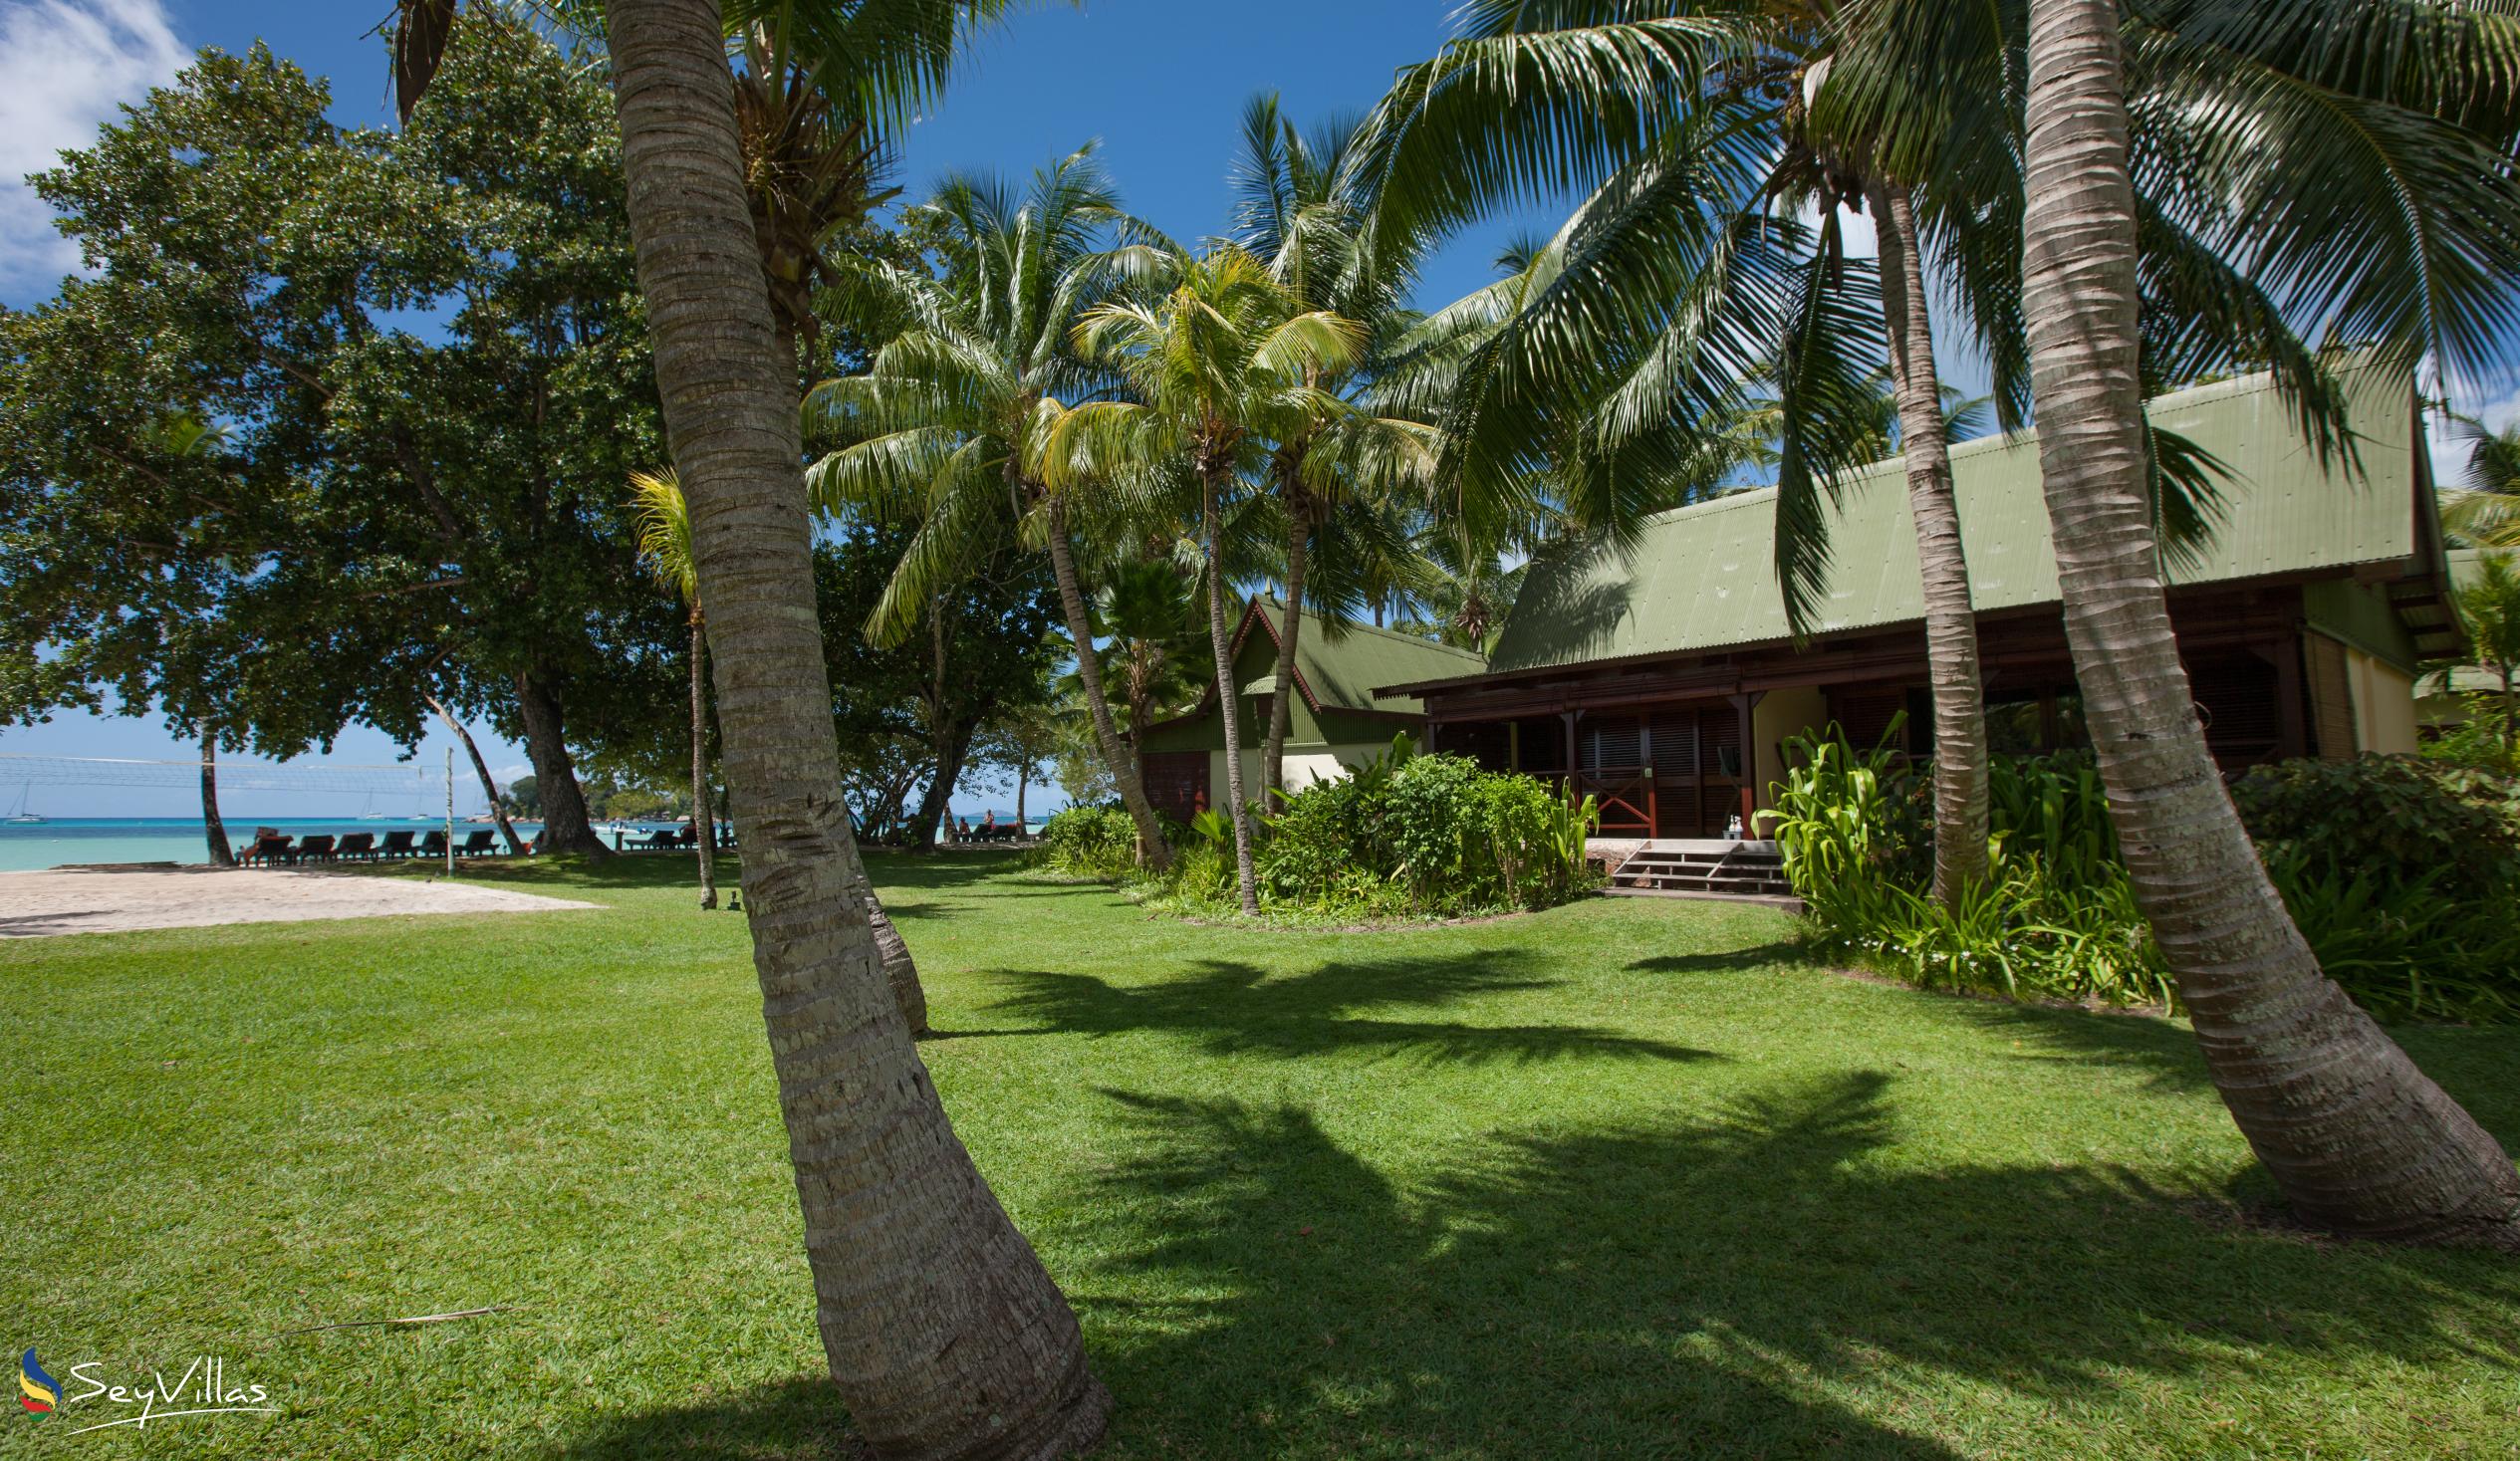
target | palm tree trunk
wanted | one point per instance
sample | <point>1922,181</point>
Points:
<point>481,771</point>
<point>1960,796</point>
<point>946,1337</point>
<point>1127,772</point>
<point>1246,882</point>
<point>566,825</point>
<point>703,816</point>
<point>1273,755</point>
<point>2360,1140</point>
<point>213,831</point>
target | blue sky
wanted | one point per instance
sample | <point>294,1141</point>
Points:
<point>1159,83</point>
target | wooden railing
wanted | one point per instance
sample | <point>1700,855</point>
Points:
<point>1624,794</point>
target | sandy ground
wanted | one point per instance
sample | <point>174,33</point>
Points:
<point>37,905</point>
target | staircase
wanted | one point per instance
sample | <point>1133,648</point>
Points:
<point>1736,871</point>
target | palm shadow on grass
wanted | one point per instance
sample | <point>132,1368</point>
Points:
<point>1724,1286</point>
<point>1233,1007</point>
<point>1764,958</point>
<point>1697,1289</point>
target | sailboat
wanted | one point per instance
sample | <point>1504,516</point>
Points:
<point>22,817</point>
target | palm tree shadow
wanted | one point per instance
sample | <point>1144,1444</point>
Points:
<point>1703,1288</point>
<point>1233,1008</point>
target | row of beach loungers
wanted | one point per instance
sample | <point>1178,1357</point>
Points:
<point>1003,831</point>
<point>277,850</point>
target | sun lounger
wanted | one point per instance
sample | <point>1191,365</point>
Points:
<point>478,845</point>
<point>433,845</point>
<point>316,848</point>
<point>270,849</point>
<point>398,845</point>
<point>357,845</point>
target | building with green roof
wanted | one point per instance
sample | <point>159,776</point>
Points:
<point>1663,677</point>
<point>1337,720</point>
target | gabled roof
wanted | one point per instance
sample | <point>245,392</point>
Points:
<point>1702,578</point>
<point>1341,673</point>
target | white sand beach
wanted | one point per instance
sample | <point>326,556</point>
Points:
<point>103,900</point>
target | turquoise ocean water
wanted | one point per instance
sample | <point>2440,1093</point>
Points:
<point>76,839</point>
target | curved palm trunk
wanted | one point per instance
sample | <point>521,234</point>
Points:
<point>481,773</point>
<point>213,831</point>
<point>900,971</point>
<point>703,816</point>
<point>2360,1140</point>
<point>1126,769</point>
<point>1246,883</point>
<point>566,825</point>
<point>946,1337</point>
<point>1272,756</point>
<point>1960,797</point>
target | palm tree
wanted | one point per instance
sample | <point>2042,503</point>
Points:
<point>945,1334</point>
<point>1150,611</point>
<point>1296,209</point>
<point>2483,510</point>
<point>2358,1137</point>
<point>664,543</point>
<point>953,414</point>
<point>1223,370</point>
<point>2491,607</point>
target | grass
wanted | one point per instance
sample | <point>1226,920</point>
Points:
<point>1626,1178</point>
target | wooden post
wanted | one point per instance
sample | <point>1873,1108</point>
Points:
<point>1749,763</point>
<point>1514,746</point>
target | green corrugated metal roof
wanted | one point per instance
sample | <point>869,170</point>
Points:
<point>1702,578</point>
<point>1342,672</point>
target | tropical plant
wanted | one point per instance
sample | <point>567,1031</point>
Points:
<point>2360,1140</point>
<point>1672,247</point>
<point>951,420</point>
<point>2483,507</point>
<point>1087,841</point>
<point>1153,645</point>
<point>945,1334</point>
<point>664,543</point>
<point>1224,368</point>
<point>2490,607</point>
<point>1297,209</point>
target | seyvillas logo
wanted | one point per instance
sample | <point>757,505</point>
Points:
<point>203,1388</point>
<point>39,1392</point>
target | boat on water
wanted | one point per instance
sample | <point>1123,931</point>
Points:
<point>20,816</point>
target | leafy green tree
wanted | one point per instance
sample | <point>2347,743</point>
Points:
<point>385,517</point>
<point>1225,368</point>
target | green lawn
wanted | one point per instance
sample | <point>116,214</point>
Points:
<point>1626,1178</point>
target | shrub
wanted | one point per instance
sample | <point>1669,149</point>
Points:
<point>2394,818</point>
<point>2398,872</point>
<point>2057,918</point>
<point>1405,836</point>
<point>1088,841</point>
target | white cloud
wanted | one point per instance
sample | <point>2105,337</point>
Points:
<point>64,65</point>
<point>2449,452</point>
